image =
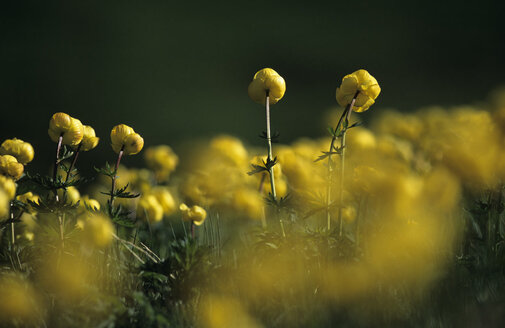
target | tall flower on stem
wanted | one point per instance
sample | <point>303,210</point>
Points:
<point>357,92</point>
<point>268,87</point>
<point>124,141</point>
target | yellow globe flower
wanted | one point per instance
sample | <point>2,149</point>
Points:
<point>8,186</point>
<point>149,208</point>
<point>69,128</point>
<point>23,151</point>
<point>162,160</point>
<point>165,199</point>
<point>91,203</point>
<point>230,148</point>
<point>360,82</point>
<point>98,231</point>
<point>17,300</point>
<point>89,139</point>
<point>267,80</point>
<point>124,137</point>
<point>249,202</point>
<point>72,194</point>
<point>196,214</point>
<point>10,167</point>
<point>4,205</point>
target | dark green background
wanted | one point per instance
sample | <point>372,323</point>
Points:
<point>179,70</point>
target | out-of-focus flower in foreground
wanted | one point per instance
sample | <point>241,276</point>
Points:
<point>124,138</point>
<point>149,208</point>
<point>98,231</point>
<point>23,151</point>
<point>360,82</point>
<point>71,129</point>
<point>162,160</point>
<point>267,80</point>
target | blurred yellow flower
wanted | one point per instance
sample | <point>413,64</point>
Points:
<point>89,139</point>
<point>349,214</point>
<point>10,167</point>
<point>360,82</point>
<point>165,199</point>
<point>8,186</point>
<point>249,202</point>
<point>23,151</point>
<point>69,128</point>
<point>18,300</point>
<point>72,194</point>
<point>124,138</point>
<point>98,231</point>
<point>267,80</point>
<point>196,214</point>
<point>4,205</point>
<point>86,202</point>
<point>149,208</point>
<point>230,148</point>
<point>29,196</point>
<point>162,160</point>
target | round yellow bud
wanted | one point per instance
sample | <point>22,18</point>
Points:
<point>23,151</point>
<point>8,186</point>
<point>69,128</point>
<point>360,82</point>
<point>124,138</point>
<point>162,160</point>
<point>72,194</point>
<point>89,139</point>
<point>10,167</point>
<point>165,199</point>
<point>196,214</point>
<point>97,231</point>
<point>267,81</point>
<point>149,208</point>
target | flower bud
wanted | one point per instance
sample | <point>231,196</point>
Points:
<point>162,160</point>
<point>69,128</point>
<point>362,82</point>
<point>196,214</point>
<point>23,151</point>
<point>72,194</point>
<point>267,80</point>
<point>89,139</point>
<point>97,231</point>
<point>8,186</point>
<point>124,137</point>
<point>149,208</point>
<point>10,167</point>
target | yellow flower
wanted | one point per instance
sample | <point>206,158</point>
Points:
<point>29,196</point>
<point>250,202</point>
<point>90,203</point>
<point>97,231</point>
<point>23,151</point>
<point>230,148</point>
<point>124,138</point>
<point>8,185</point>
<point>162,160</point>
<point>349,213</point>
<point>149,208</point>
<point>10,167</point>
<point>196,214</point>
<point>18,300</point>
<point>362,82</point>
<point>165,199</point>
<point>89,139</point>
<point>267,80</point>
<point>72,194</point>
<point>69,128</point>
<point>4,205</point>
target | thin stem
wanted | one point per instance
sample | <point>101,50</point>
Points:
<point>72,165</point>
<point>113,184</point>
<point>13,240</point>
<point>345,114</point>
<point>342,166</point>
<point>192,230</point>
<point>269,143</point>
<point>57,163</point>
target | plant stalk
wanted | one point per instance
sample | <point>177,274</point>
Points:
<point>269,144</point>
<point>113,184</point>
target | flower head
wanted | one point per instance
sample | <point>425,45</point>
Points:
<point>71,129</point>
<point>10,167</point>
<point>361,83</point>
<point>98,231</point>
<point>162,160</point>
<point>149,208</point>
<point>196,214</point>
<point>23,151</point>
<point>89,139</point>
<point>124,138</point>
<point>267,80</point>
<point>8,186</point>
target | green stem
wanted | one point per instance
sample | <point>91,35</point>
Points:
<point>269,143</point>
<point>342,170</point>
<point>113,184</point>
<point>57,163</point>
<point>13,240</point>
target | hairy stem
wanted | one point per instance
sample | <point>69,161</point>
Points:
<point>269,144</point>
<point>113,184</point>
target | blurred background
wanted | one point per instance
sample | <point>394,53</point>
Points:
<point>180,70</point>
